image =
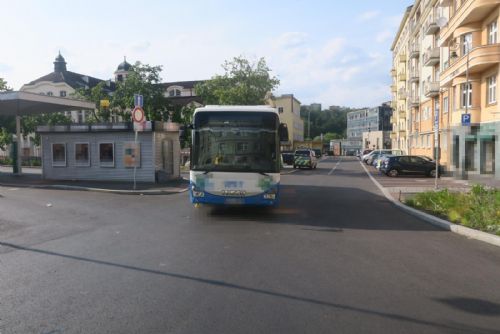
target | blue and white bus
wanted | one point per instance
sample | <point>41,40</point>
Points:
<point>235,155</point>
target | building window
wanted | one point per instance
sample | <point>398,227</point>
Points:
<point>466,43</point>
<point>242,147</point>
<point>466,95</point>
<point>82,157</point>
<point>280,110</point>
<point>492,32</point>
<point>50,94</point>
<point>62,93</point>
<point>177,92</point>
<point>81,116</point>
<point>492,89</point>
<point>59,155</point>
<point>107,154</point>
<point>445,105</point>
<point>119,78</point>
<point>171,93</point>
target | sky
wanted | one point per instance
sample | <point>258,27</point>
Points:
<point>332,52</point>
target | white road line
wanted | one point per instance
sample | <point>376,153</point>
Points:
<point>334,168</point>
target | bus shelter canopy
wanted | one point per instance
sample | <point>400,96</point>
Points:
<point>24,103</point>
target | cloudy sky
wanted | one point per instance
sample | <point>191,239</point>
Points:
<point>333,52</point>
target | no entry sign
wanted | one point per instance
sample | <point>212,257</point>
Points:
<point>138,115</point>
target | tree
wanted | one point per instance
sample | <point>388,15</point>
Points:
<point>145,80</point>
<point>96,94</point>
<point>243,83</point>
<point>7,123</point>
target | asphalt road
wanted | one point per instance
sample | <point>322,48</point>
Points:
<point>335,257</point>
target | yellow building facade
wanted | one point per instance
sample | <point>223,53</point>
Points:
<point>289,112</point>
<point>453,66</point>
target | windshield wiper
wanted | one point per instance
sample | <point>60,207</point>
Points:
<point>262,173</point>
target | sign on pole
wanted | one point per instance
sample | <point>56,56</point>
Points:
<point>465,119</point>
<point>138,100</point>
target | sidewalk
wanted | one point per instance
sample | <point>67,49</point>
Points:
<point>33,179</point>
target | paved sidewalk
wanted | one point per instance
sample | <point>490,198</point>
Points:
<point>33,179</point>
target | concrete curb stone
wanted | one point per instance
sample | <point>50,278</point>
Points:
<point>441,223</point>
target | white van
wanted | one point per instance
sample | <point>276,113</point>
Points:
<point>391,151</point>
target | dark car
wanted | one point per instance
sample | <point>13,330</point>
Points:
<point>288,158</point>
<point>409,164</point>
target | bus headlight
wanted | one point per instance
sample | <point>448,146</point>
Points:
<point>270,196</point>
<point>197,193</point>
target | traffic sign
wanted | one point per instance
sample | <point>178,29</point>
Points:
<point>138,100</point>
<point>465,119</point>
<point>138,115</point>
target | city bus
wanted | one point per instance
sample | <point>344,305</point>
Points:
<point>235,155</point>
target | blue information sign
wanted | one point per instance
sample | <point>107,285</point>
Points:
<point>465,119</point>
<point>138,100</point>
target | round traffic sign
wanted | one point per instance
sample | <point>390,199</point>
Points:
<point>138,115</point>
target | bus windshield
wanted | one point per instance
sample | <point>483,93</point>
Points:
<point>235,142</point>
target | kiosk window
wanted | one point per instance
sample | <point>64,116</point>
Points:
<point>107,154</point>
<point>59,155</point>
<point>82,157</point>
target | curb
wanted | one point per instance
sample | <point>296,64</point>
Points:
<point>101,190</point>
<point>441,223</point>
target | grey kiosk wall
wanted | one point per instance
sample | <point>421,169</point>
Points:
<point>108,152</point>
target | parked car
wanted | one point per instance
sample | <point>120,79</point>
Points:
<point>381,159</point>
<point>411,165</point>
<point>362,153</point>
<point>383,151</point>
<point>288,158</point>
<point>305,158</point>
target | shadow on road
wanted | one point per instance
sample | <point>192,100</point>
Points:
<point>333,208</point>
<point>473,305</point>
<point>450,328</point>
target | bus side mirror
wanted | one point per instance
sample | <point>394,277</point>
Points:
<point>283,132</point>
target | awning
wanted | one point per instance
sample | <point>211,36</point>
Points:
<point>24,103</point>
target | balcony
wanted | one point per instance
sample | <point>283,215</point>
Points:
<point>470,11</point>
<point>431,26</point>
<point>402,76</point>
<point>414,51</point>
<point>431,89</point>
<point>394,104</point>
<point>402,94</point>
<point>402,132</point>
<point>394,88</point>
<point>414,102</point>
<point>393,72</point>
<point>431,57</point>
<point>402,58</point>
<point>402,114</point>
<point>414,75</point>
<point>480,58</point>
<point>392,120</point>
<point>394,135</point>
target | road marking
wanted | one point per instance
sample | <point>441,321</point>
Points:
<point>334,168</point>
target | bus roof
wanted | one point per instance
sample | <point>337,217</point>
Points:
<point>237,108</point>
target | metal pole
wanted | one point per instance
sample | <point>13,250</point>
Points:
<point>18,135</point>
<point>309,124</point>
<point>436,144</point>
<point>135,162</point>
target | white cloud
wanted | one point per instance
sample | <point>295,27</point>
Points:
<point>368,15</point>
<point>384,36</point>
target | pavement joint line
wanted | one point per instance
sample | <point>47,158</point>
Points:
<point>441,223</point>
<point>334,168</point>
<point>103,190</point>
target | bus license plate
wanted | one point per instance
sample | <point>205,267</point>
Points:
<point>234,201</point>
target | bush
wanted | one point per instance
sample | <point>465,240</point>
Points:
<point>478,209</point>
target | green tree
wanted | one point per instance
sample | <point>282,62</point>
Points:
<point>95,94</point>
<point>243,83</point>
<point>7,123</point>
<point>145,80</point>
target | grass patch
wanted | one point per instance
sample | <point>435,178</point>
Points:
<point>478,209</point>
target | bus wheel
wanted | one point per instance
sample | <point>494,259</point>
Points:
<point>294,167</point>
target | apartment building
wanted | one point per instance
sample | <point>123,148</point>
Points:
<point>469,73</point>
<point>450,52</point>
<point>289,112</point>
<point>368,129</point>
<point>401,101</point>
